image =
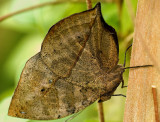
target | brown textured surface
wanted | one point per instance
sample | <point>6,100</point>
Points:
<point>76,66</point>
<point>139,105</point>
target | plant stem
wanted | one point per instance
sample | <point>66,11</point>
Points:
<point>154,91</point>
<point>101,114</point>
<point>89,4</point>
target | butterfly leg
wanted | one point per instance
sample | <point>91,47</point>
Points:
<point>123,86</point>
<point>119,95</point>
<point>107,97</point>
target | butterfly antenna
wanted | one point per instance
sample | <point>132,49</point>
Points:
<point>125,55</point>
<point>132,66</point>
<point>72,117</point>
<point>138,66</point>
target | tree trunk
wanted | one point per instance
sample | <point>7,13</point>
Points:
<point>145,51</point>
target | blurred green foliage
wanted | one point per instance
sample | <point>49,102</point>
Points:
<point>21,37</point>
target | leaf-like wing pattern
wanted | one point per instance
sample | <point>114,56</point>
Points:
<point>65,41</point>
<point>77,65</point>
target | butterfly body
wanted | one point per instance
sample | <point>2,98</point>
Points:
<point>77,65</point>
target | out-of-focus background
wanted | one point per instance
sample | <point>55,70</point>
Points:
<point>21,37</point>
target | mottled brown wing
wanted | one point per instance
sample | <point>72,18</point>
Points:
<point>41,95</point>
<point>71,71</point>
<point>103,43</point>
<point>65,41</point>
<point>31,99</point>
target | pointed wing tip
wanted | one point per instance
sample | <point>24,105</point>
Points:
<point>98,8</point>
<point>98,5</point>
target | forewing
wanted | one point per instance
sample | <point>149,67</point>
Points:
<point>65,41</point>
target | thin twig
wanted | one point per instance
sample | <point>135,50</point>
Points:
<point>154,91</point>
<point>36,6</point>
<point>28,9</point>
<point>89,4</point>
<point>42,5</point>
<point>101,114</point>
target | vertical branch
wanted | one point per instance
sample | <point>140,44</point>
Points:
<point>139,105</point>
<point>101,114</point>
<point>89,4</point>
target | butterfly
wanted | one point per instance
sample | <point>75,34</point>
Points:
<point>77,65</point>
